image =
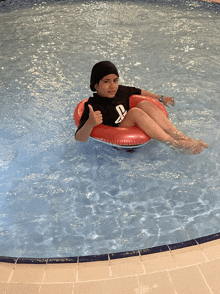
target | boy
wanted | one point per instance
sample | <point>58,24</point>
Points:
<point>110,106</point>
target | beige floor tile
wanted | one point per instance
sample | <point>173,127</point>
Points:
<point>160,264</point>
<point>17,288</point>
<point>212,252</point>
<point>28,273</point>
<point>63,288</point>
<point>111,286</point>
<point>126,285</point>
<point>156,255</point>
<point>188,258</point>
<point>93,271</point>
<point>186,250</point>
<point>126,266</point>
<point>177,258</point>
<point>156,283</point>
<point>97,287</point>
<point>60,273</point>
<point>3,288</point>
<point>5,271</point>
<point>192,270</point>
<point>189,280</point>
<point>211,273</point>
<point>209,244</point>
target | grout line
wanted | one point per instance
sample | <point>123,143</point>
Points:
<point>141,289</point>
<point>205,255</point>
<point>12,272</point>
<point>205,280</point>
<point>40,288</point>
<point>48,283</point>
<point>143,266</point>
<point>138,281</point>
<point>42,282</point>
<point>169,276</point>
<point>171,281</point>
<point>44,276</point>
<point>10,276</point>
<point>110,268</point>
<point>77,272</point>
<point>101,280</point>
<point>197,242</point>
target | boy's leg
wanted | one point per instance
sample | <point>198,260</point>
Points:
<point>138,117</point>
<point>158,116</point>
<point>161,119</point>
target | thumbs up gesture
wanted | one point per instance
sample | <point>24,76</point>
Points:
<point>95,117</point>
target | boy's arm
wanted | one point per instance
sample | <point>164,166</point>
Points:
<point>165,100</point>
<point>95,118</point>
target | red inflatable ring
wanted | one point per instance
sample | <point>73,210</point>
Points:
<point>120,137</point>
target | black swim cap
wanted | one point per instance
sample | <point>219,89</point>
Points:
<point>100,70</point>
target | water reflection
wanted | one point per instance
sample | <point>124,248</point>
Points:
<point>59,197</point>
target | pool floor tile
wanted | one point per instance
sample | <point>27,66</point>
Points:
<point>60,273</point>
<point>189,280</point>
<point>156,283</point>
<point>214,1</point>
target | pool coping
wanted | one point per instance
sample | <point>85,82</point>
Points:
<point>110,256</point>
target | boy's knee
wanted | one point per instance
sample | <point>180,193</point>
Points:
<point>135,110</point>
<point>144,103</point>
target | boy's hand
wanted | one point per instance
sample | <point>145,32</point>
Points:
<point>95,117</point>
<point>168,101</point>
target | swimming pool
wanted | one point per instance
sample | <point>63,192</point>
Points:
<point>60,197</point>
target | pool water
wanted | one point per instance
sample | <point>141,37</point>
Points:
<point>60,197</point>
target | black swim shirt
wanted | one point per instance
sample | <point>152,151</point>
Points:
<point>113,109</point>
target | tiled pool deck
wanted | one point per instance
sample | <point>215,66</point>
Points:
<point>193,269</point>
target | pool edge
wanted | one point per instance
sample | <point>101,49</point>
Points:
<point>110,256</point>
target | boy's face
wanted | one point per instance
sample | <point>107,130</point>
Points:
<point>107,86</point>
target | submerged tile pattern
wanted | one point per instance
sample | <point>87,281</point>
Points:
<point>188,267</point>
<point>214,1</point>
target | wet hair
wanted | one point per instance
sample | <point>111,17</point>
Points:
<point>100,70</point>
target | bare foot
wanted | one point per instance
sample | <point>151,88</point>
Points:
<point>193,146</point>
<point>190,144</point>
<point>202,143</point>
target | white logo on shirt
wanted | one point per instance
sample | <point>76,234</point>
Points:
<point>122,112</point>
